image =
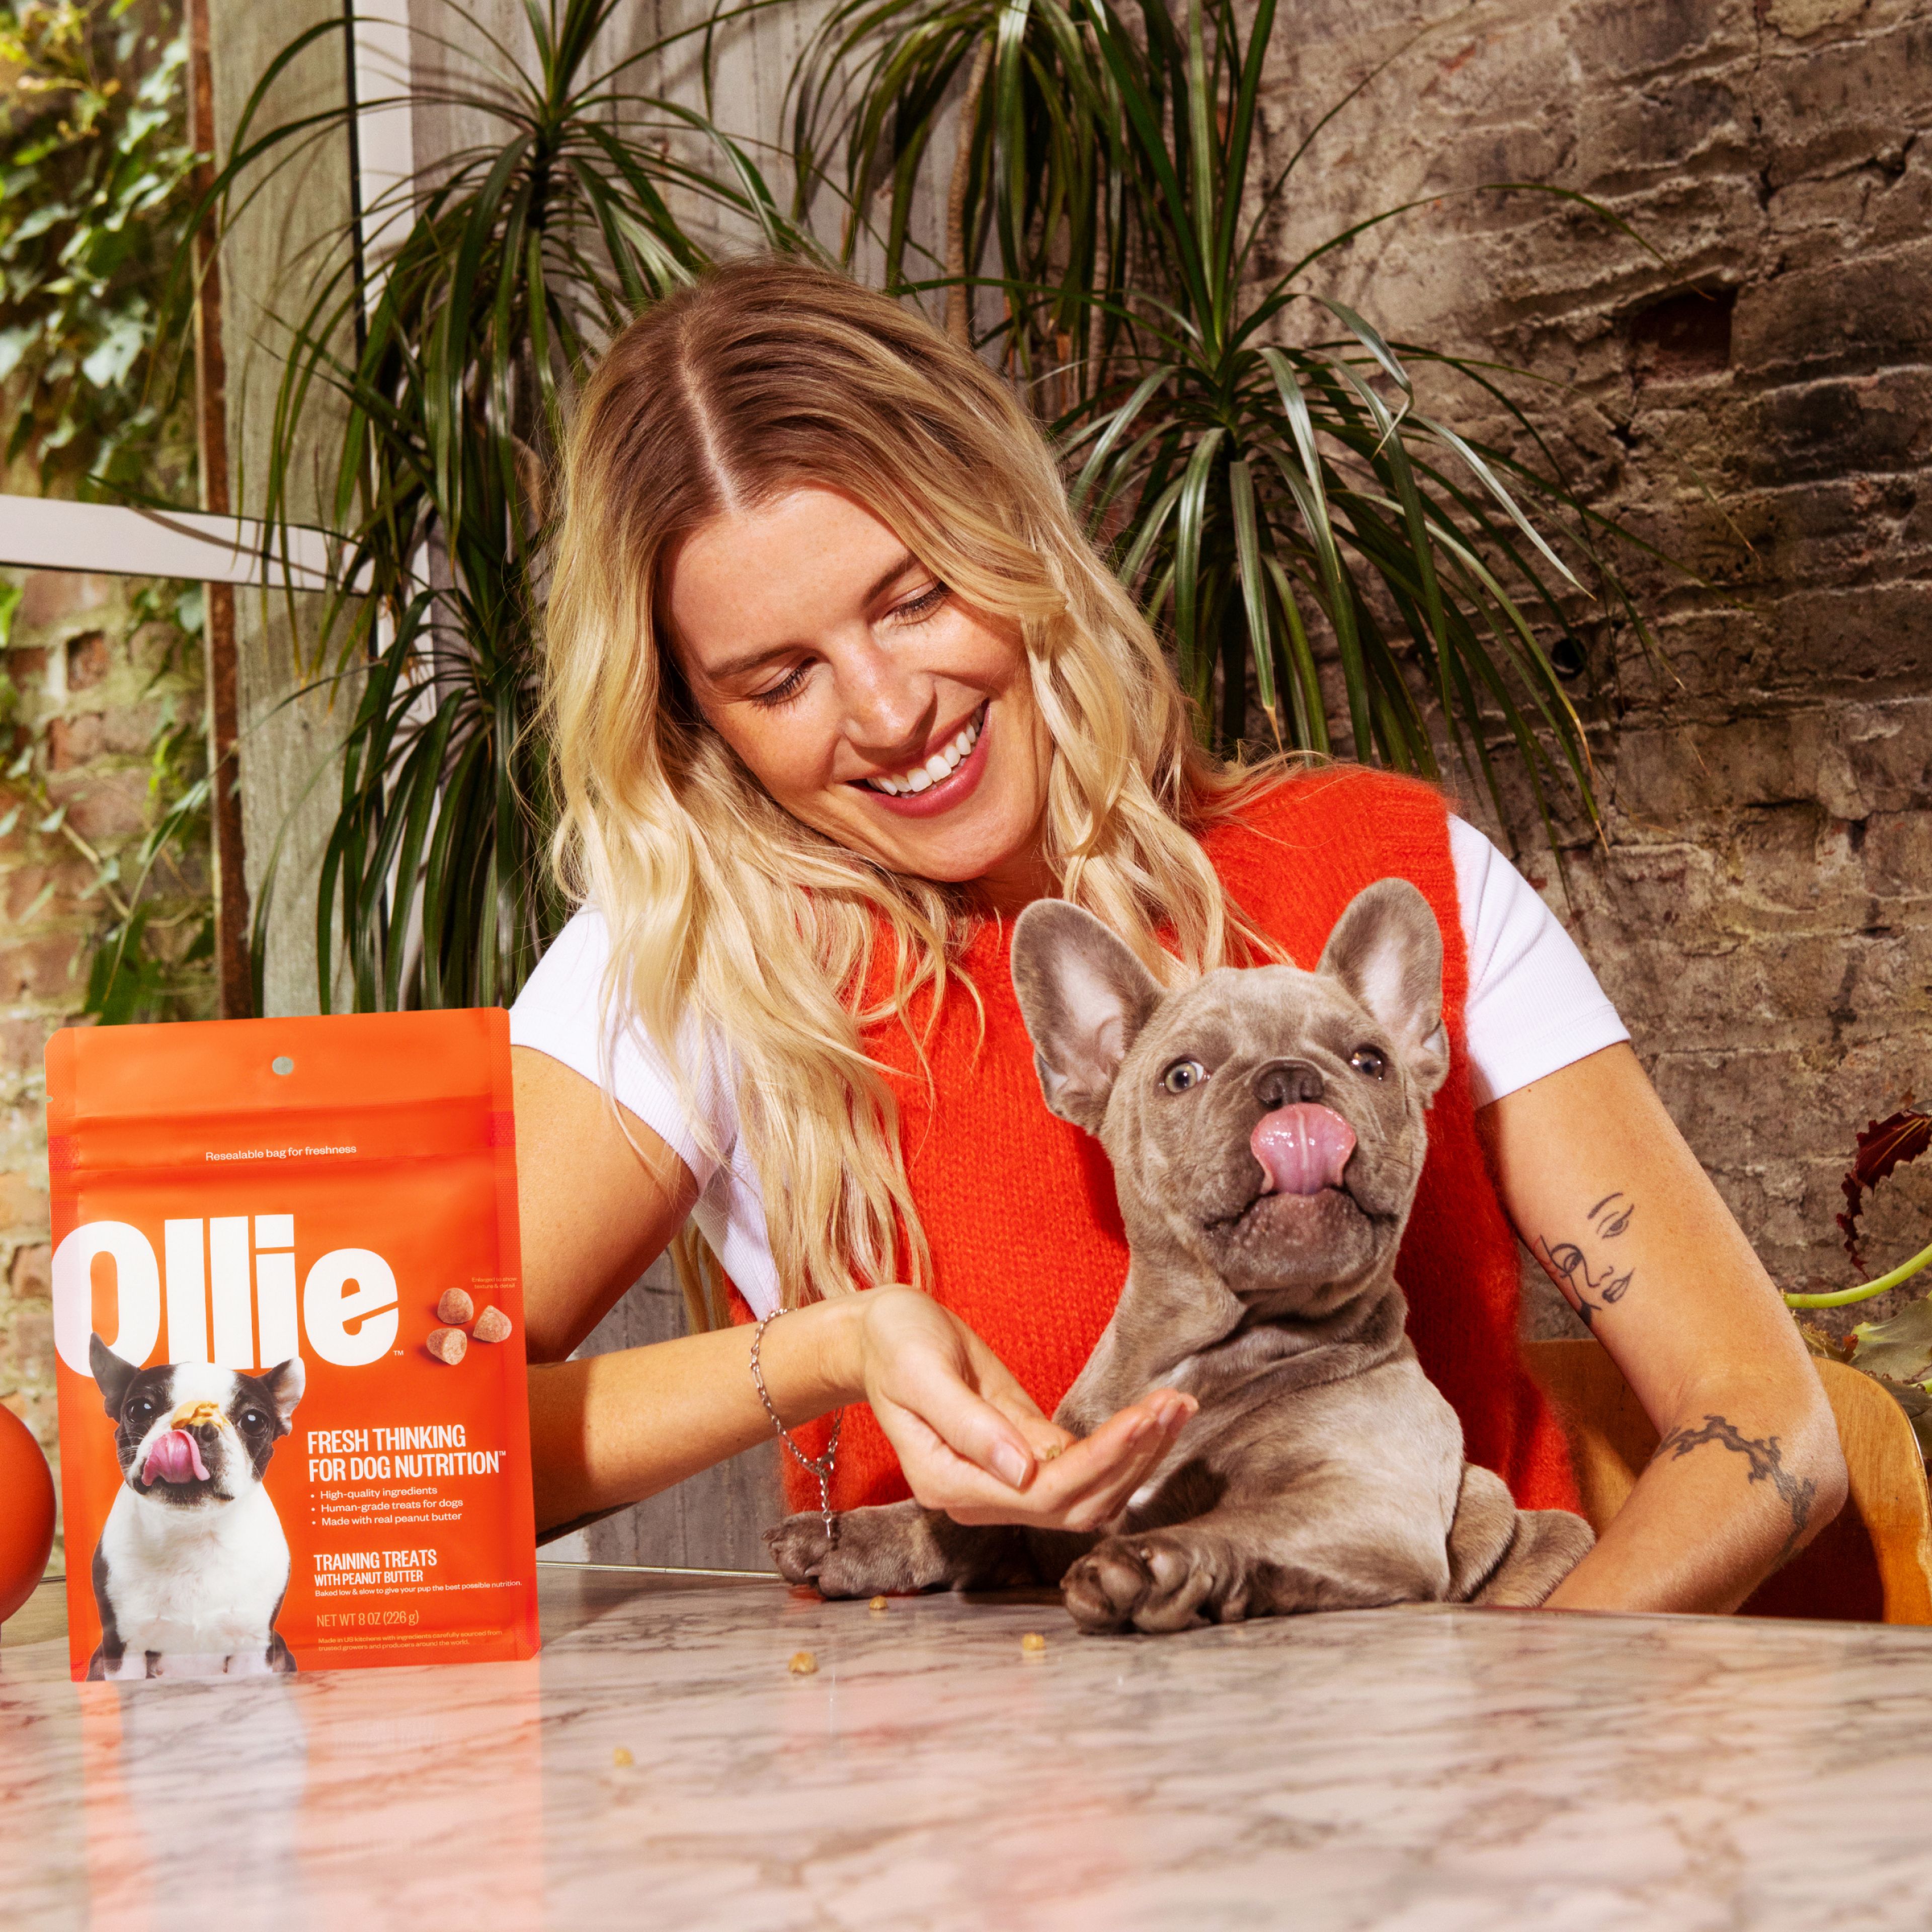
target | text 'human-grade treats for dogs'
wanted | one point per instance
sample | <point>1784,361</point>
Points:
<point>272,1456</point>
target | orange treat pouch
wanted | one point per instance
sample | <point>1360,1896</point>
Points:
<point>265,1468</point>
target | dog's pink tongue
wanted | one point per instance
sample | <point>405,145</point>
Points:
<point>174,1457</point>
<point>1302,1149</point>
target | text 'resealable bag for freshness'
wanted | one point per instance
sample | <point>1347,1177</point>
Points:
<point>289,1316</point>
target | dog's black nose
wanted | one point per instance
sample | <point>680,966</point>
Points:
<point>1283,1083</point>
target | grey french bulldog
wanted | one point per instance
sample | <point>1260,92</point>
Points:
<point>1267,1133</point>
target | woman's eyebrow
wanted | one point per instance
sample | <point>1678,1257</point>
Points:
<point>752,661</point>
<point>887,578</point>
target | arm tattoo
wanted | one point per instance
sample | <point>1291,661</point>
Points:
<point>1763,1461</point>
<point>1569,1267</point>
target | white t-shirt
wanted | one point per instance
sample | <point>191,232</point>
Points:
<point>1534,1006</point>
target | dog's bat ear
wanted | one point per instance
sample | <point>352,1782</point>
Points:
<point>1084,996</point>
<point>1387,949</point>
<point>111,1375</point>
<point>285,1383</point>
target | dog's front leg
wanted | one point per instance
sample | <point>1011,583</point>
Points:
<point>895,1548</point>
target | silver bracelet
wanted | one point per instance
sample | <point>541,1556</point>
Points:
<point>821,1466</point>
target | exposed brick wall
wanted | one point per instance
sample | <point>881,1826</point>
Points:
<point>88,694</point>
<point>1759,404</point>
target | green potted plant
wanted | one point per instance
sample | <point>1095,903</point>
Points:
<point>1277,506</point>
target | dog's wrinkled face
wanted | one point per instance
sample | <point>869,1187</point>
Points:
<point>191,1436</point>
<point>1267,1123</point>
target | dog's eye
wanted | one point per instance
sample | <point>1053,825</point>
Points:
<point>254,1418</point>
<point>1182,1074</point>
<point>140,1410</point>
<point>1369,1059</point>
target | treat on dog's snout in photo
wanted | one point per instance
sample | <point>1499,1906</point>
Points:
<point>448,1345</point>
<point>262,1474</point>
<point>1267,1127</point>
<point>453,1307</point>
<point>492,1325</point>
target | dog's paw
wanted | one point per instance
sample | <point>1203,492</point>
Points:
<point>887,1548</point>
<point>798,1547</point>
<point>1548,1545</point>
<point>1159,1581</point>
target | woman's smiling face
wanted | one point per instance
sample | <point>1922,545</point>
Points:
<point>872,703</point>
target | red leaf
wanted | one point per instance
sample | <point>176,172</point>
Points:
<point>1885,1145</point>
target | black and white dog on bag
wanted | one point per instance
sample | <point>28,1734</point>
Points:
<point>192,1565</point>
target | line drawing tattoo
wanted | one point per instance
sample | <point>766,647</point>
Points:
<point>1569,1267</point>
<point>1764,1461</point>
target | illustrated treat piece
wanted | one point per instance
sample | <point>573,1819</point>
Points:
<point>455,1307</point>
<point>492,1325</point>
<point>448,1345</point>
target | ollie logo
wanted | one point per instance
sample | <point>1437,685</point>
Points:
<point>347,1309</point>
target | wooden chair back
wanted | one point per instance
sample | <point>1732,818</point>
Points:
<point>1873,1564</point>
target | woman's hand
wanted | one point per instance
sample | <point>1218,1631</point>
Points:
<point>606,1430</point>
<point>971,1441</point>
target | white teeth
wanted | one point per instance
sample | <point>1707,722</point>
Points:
<point>941,765</point>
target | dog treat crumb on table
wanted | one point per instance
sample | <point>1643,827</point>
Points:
<point>448,1345</point>
<point>492,1325</point>
<point>1032,1643</point>
<point>455,1307</point>
<point>802,1664</point>
<point>621,1759</point>
<point>877,1604</point>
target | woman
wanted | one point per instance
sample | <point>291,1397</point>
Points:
<point>837,688</point>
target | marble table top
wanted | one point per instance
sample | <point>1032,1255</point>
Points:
<point>660,1765</point>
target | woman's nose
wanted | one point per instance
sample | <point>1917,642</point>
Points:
<point>890,707</point>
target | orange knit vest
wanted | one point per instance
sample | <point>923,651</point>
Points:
<point>1019,1207</point>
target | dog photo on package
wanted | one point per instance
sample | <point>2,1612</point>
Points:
<point>289,1320</point>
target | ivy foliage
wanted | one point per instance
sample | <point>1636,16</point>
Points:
<point>154,954</point>
<point>95,197</point>
<point>145,896</point>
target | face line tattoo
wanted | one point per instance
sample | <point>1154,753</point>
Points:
<point>1763,1460</point>
<point>1569,1267</point>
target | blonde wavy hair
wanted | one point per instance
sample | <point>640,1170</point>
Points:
<point>729,919</point>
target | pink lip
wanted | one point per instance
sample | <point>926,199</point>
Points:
<point>950,791</point>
